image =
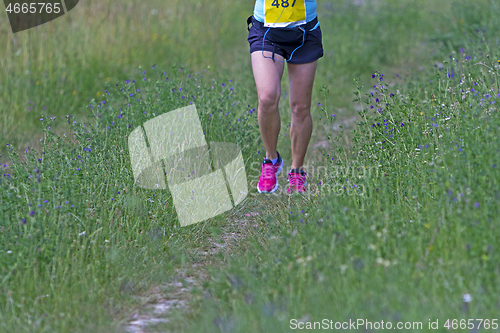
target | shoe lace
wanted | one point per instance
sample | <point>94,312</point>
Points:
<point>296,179</point>
<point>268,171</point>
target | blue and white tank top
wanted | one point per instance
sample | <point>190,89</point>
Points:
<point>284,13</point>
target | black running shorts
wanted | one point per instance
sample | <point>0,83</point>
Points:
<point>311,51</point>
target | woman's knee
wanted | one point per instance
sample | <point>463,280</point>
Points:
<point>300,109</point>
<point>269,100</point>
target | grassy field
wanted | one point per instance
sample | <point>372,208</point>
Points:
<point>57,68</point>
<point>400,223</point>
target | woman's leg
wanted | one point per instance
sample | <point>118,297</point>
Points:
<point>301,78</point>
<point>268,74</point>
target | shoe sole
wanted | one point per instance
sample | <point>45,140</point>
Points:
<point>276,186</point>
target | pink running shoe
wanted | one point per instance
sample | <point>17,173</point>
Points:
<point>268,182</point>
<point>297,181</point>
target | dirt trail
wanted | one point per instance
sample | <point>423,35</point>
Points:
<point>162,301</point>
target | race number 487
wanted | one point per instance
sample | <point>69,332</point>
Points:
<point>284,3</point>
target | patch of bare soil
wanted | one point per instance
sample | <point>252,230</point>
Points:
<point>161,301</point>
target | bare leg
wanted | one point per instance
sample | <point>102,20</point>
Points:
<point>268,74</point>
<point>301,78</point>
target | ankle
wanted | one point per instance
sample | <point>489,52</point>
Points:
<point>271,156</point>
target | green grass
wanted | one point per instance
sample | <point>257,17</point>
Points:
<point>403,242</point>
<point>69,59</point>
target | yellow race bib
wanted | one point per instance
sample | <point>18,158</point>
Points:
<point>282,13</point>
